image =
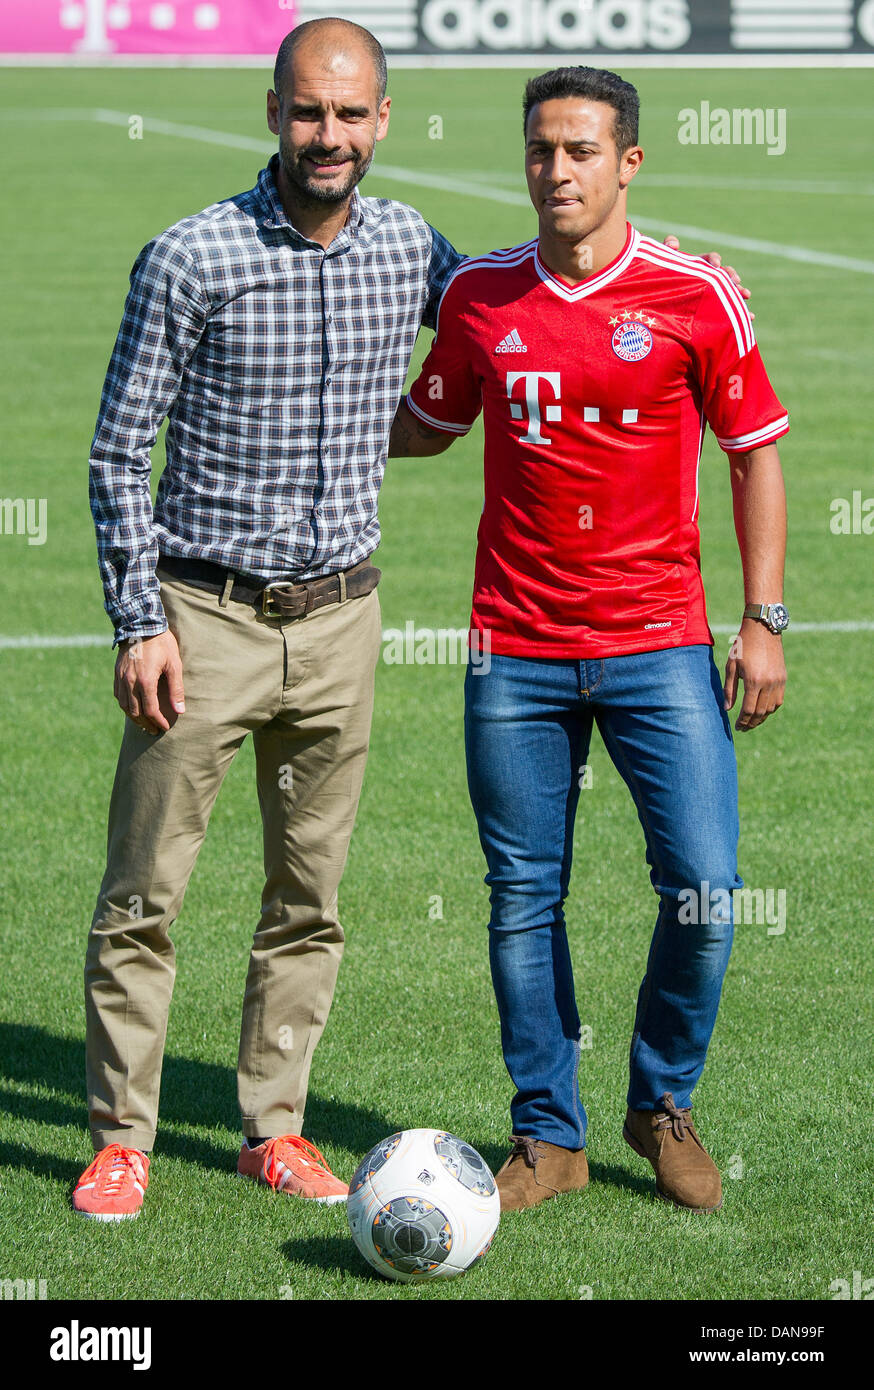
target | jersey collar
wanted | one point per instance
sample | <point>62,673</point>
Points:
<point>572,293</point>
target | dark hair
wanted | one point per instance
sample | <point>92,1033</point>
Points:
<point>595,84</point>
<point>361,35</point>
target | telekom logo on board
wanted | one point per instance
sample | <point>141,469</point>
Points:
<point>144,26</point>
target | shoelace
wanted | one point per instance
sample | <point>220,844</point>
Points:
<point>526,1146</point>
<point>110,1168</point>
<point>273,1161</point>
<point>672,1116</point>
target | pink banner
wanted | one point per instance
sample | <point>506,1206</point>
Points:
<point>101,28</point>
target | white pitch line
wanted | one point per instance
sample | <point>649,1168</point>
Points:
<point>422,179</point>
<point>646,224</point>
<point>762,248</point>
<point>826,187</point>
<point>35,642</point>
<point>187,132</point>
<point>721,183</point>
<point>849,626</point>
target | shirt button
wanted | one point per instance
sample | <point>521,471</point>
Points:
<point>327,381</point>
<point>330,318</point>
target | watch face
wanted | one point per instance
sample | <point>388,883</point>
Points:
<point>778,617</point>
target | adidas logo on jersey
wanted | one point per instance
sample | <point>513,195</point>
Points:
<point>512,343</point>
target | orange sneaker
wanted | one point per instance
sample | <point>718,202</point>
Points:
<point>293,1165</point>
<point>112,1187</point>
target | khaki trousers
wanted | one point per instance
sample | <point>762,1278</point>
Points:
<point>304,689</point>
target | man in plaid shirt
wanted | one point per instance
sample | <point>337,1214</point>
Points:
<point>274,329</point>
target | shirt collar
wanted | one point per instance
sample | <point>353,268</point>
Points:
<point>273,214</point>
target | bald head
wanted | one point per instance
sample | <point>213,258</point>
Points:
<point>329,109</point>
<point>334,44</point>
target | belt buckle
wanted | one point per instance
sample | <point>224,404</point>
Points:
<point>266,610</point>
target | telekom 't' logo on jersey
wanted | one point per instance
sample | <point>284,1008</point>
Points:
<point>532,382</point>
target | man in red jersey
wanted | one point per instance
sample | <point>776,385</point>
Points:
<point>597,356</point>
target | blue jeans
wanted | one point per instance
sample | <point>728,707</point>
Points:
<point>528,723</point>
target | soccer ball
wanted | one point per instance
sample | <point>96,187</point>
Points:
<point>423,1205</point>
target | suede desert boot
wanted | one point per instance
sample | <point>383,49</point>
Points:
<point>536,1170</point>
<point>685,1173</point>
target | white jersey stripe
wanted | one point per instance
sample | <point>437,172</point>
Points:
<point>435,423</point>
<point>507,256</point>
<point>504,251</point>
<point>734,306</point>
<point>738,327</point>
<point>761,436</point>
<point>722,276</point>
<point>512,257</point>
<point>715,276</point>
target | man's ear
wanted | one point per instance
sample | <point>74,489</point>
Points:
<point>382,118</point>
<point>273,112</point>
<point>629,165</point>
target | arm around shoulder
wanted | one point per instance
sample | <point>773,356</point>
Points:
<point>411,437</point>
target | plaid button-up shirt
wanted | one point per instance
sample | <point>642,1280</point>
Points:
<point>280,364</point>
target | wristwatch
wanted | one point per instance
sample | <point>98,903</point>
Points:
<point>773,615</point>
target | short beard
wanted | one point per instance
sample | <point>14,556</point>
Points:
<point>310,190</point>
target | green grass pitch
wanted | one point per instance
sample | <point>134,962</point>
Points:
<point>785,1102</point>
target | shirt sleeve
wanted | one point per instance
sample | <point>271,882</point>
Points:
<point>738,399</point>
<point>447,394</point>
<point>444,261</point>
<point>164,318</point>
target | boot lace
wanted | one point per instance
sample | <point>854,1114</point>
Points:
<point>670,1115</point>
<point>526,1146</point>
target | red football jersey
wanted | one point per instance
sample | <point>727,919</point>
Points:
<point>595,398</point>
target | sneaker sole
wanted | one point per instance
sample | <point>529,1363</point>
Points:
<point>330,1201</point>
<point>107,1215</point>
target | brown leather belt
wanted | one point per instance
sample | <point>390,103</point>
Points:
<point>282,598</point>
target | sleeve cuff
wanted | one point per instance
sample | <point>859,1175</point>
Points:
<point>445,426</point>
<point>756,438</point>
<point>129,633</point>
<point>140,615</point>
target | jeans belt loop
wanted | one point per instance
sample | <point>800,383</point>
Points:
<point>342,578</point>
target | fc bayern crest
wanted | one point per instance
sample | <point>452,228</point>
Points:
<point>632,341</point>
